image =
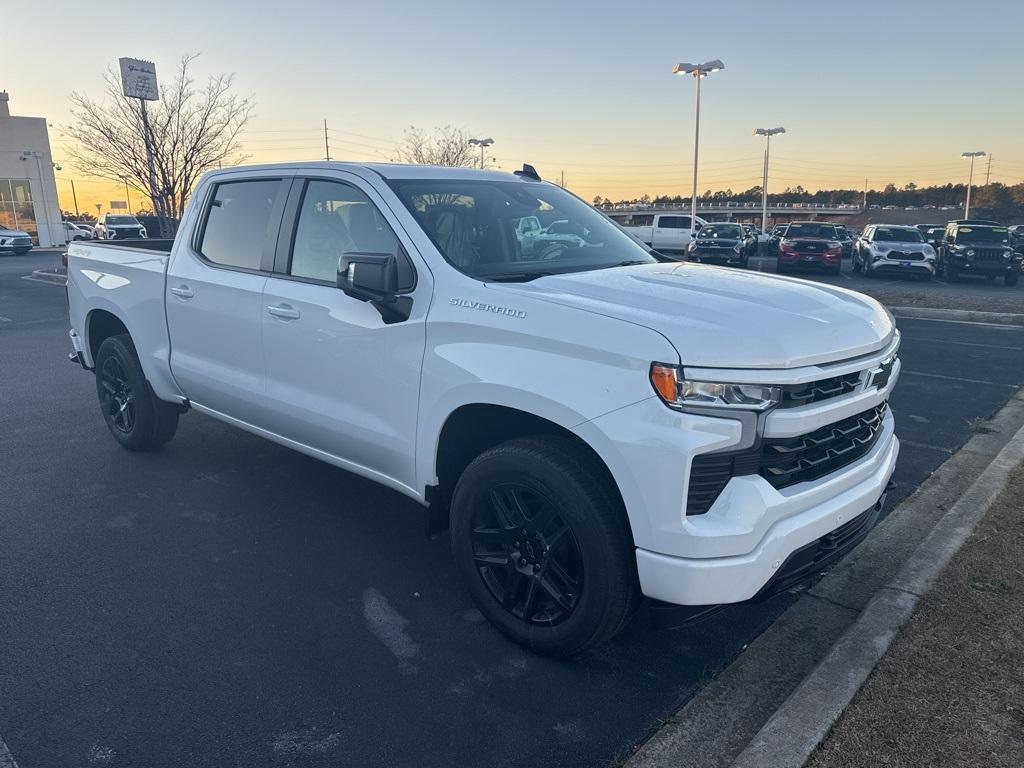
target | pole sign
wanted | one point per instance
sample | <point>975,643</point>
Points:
<point>118,205</point>
<point>138,79</point>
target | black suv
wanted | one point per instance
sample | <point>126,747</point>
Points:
<point>978,249</point>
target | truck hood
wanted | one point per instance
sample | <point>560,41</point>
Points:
<point>725,318</point>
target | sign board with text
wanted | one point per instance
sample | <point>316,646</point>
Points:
<point>118,205</point>
<point>138,79</point>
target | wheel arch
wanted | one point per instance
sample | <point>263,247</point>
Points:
<point>473,428</point>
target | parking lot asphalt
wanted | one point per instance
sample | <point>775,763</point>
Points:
<point>228,602</point>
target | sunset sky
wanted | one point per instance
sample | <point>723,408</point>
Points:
<point>892,91</point>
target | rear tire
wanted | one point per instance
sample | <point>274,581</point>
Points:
<point>543,544</point>
<point>136,418</point>
<point>856,265</point>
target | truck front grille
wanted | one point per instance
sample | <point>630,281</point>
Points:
<point>988,254</point>
<point>795,395</point>
<point>785,461</point>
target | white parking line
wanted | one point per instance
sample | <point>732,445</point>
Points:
<point>905,372</point>
<point>965,343</point>
<point>6,758</point>
<point>926,446</point>
<point>1004,326</point>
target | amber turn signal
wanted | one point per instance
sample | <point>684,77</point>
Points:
<point>663,378</point>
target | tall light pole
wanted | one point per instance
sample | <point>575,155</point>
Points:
<point>482,143</point>
<point>767,133</point>
<point>699,72</point>
<point>970,180</point>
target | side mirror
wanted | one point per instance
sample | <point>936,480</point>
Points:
<point>373,277</point>
<point>369,276</point>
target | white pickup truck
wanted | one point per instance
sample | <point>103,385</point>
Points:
<point>593,426</point>
<point>668,233</point>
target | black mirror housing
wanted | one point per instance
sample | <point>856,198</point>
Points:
<point>369,276</point>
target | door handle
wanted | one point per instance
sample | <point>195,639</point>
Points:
<point>182,292</point>
<point>284,311</point>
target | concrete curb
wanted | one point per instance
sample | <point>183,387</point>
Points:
<point>797,727</point>
<point>46,276</point>
<point>959,315</point>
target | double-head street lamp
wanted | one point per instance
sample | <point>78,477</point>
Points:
<point>767,133</point>
<point>970,180</point>
<point>699,72</point>
<point>482,143</point>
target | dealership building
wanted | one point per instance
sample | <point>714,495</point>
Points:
<point>28,189</point>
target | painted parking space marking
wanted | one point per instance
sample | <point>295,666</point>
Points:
<point>905,372</point>
<point>964,343</point>
<point>926,446</point>
<point>6,758</point>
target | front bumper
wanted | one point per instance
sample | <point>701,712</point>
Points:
<point>715,580</point>
<point>920,267</point>
<point>809,260</point>
<point>730,257</point>
<point>976,267</point>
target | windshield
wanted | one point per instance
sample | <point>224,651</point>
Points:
<point>825,231</point>
<point>122,220</point>
<point>732,231</point>
<point>475,224</point>
<point>897,235</point>
<point>983,235</point>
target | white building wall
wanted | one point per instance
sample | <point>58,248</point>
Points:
<point>18,134</point>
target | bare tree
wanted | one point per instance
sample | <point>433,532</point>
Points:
<point>191,130</point>
<point>445,146</point>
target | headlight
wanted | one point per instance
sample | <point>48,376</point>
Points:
<point>142,231</point>
<point>1007,255</point>
<point>880,248</point>
<point>737,248</point>
<point>680,393</point>
<point>970,252</point>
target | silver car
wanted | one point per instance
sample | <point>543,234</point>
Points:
<point>893,249</point>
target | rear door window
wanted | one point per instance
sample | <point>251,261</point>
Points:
<point>239,223</point>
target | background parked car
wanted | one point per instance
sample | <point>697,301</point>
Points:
<point>722,243</point>
<point>1017,237</point>
<point>978,249</point>
<point>15,240</point>
<point>888,248</point>
<point>73,231</point>
<point>846,239</point>
<point>810,244</point>
<point>119,226</point>
<point>777,233</point>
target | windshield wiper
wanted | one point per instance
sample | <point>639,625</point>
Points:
<point>513,277</point>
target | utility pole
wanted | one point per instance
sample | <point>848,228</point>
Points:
<point>127,196</point>
<point>767,133</point>
<point>74,197</point>
<point>988,170</point>
<point>864,204</point>
<point>561,182</point>
<point>327,145</point>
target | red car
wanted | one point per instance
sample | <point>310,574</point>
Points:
<point>810,245</point>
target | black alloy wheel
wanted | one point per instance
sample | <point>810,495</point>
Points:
<point>118,398</point>
<point>527,555</point>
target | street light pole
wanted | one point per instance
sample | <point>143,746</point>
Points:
<point>699,71</point>
<point>767,133</point>
<point>482,143</point>
<point>970,180</point>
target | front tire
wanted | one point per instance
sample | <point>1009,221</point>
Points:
<point>136,418</point>
<point>543,544</point>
